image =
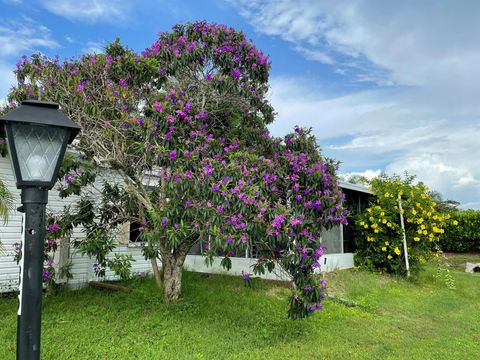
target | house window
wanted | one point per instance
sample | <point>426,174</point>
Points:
<point>136,233</point>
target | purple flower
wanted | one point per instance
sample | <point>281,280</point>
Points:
<point>51,242</point>
<point>68,178</point>
<point>236,73</point>
<point>245,275</point>
<point>173,155</point>
<point>46,275</point>
<point>176,226</point>
<point>164,222</point>
<point>187,203</point>
<point>296,221</point>
<point>142,274</point>
<point>307,288</point>
<point>158,106</point>
<point>122,83</point>
<point>229,240</point>
<point>278,221</point>
<point>53,228</point>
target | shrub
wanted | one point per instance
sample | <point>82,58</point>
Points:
<point>380,236</point>
<point>466,235</point>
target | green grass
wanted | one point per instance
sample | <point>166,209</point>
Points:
<point>219,319</point>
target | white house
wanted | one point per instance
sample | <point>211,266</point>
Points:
<point>339,243</point>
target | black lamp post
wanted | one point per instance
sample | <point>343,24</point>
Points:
<point>37,136</point>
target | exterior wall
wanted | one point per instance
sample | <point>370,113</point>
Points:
<point>82,268</point>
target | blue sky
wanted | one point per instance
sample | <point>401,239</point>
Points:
<point>386,86</point>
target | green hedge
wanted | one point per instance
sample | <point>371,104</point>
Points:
<point>466,235</point>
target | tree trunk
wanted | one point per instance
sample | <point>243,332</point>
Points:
<point>172,266</point>
<point>172,279</point>
<point>156,272</point>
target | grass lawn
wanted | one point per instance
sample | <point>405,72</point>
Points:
<point>219,319</point>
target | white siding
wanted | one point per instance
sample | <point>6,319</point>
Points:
<point>10,234</point>
<point>82,268</point>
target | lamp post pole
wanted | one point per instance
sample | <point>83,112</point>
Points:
<point>34,201</point>
<point>37,135</point>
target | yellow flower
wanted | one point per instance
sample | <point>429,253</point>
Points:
<point>389,224</point>
<point>362,222</point>
<point>419,221</point>
<point>382,214</point>
<point>429,213</point>
<point>384,221</point>
<point>365,226</point>
<point>389,257</point>
<point>387,243</point>
<point>424,196</point>
<point>416,238</point>
<point>369,238</point>
<point>402,211</point>
<point>376,231</point>
<point>422,227</point>
<point>455,222</point>
<point>419,231</point>
<point>384,248</point>
<point>425,232</point>
<point>414,212</point>
<point>397,251</point>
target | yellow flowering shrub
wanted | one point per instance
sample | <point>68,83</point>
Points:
<point>379,233</point>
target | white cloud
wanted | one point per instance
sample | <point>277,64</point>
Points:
<point>406,42</point>
<point>427,124</point>
<point>94,47</point>
<point>7,80</point>
<point>24,35</point>
<point>384,130</point>
<point>89,10</point>
<point>316,55</point>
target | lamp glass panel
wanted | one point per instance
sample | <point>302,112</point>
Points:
<point>38,149</point>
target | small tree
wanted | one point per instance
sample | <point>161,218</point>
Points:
<point>6,204</point>
<point>182,127</point>
<point>380,240</point>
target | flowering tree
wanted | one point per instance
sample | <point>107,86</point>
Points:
<point>182,126</point>
<point>380,241</point>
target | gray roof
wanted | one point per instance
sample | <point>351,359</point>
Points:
<point>354,187</point>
